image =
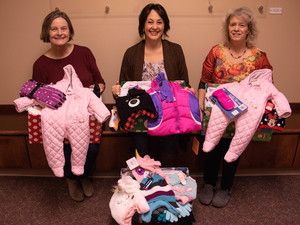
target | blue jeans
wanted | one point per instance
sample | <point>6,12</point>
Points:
<point>90,160</point>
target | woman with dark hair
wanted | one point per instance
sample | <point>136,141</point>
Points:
<point>229,62</point>
<point>57,30</point>
<point>160,11</point>
<point>144,61</point>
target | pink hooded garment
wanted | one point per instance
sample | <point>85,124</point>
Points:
<point>127,200</point>
<point>177,114</point>
<point>70,121</point>
<point>254,91</point>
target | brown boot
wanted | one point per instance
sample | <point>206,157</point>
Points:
<point>75,190</point>
<point>87,186</point>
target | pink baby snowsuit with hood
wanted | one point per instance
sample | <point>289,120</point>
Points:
<point>254,91</point>
<point>70,121</point>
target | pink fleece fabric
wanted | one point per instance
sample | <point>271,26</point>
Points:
<point>126,200</point>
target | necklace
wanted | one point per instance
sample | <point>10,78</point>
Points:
<point>238,56</point>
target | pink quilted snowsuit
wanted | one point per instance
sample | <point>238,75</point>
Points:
<point>70,121</point>
<point>254,91</point>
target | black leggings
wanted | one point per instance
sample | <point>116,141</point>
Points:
<point>161,148</point>
<point>212,164</point>
<point>90,160</point>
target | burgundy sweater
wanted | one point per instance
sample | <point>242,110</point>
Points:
<point>47,70</point>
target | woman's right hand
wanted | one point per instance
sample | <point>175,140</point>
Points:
<point>116,89</point>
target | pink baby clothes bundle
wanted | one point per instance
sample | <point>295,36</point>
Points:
<point>70,121</point>
<point>170,189</point>
<point>254,91</point>
<point>126,200</point>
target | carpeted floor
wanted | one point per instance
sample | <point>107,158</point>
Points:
<point>45,201</point>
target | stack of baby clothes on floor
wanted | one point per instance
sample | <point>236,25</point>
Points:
<point>165,194</point>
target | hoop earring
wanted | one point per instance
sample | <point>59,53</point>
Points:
<point>163,37</point>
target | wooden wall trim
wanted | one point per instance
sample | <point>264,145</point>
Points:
<point>8,115</point>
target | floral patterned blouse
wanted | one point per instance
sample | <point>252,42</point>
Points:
<point>151,70</point>
<point>219,70</point>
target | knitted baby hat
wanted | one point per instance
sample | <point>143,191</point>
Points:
<point>270,119</point>
<point>136,103</point>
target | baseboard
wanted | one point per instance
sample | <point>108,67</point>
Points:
<point>116,174</point>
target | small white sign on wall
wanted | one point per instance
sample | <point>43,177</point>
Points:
<point>275,10</point>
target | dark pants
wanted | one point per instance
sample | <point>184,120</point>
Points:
<point>161,148</point>
<point>89,163</point>
<point>212,164</point>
